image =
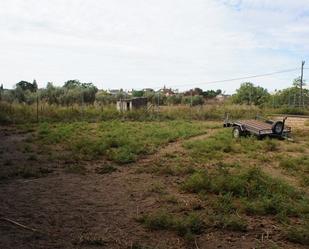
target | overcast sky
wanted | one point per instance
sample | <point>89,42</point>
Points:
<point>150,43</point>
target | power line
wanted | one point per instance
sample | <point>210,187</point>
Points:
<point>240,78</point>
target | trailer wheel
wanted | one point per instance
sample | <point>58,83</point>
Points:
<point>237,132</point>
<point>278,127</point>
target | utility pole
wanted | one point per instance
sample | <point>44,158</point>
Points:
<point>301,84</point>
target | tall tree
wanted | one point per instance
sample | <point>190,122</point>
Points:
<point>1,91</point>
<point>251,94</point>
<point>136,93</point>
<point>25,85</point>
<point>72,84</point>
<point>35,85</point>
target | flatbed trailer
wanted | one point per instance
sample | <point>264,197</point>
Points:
<point>259,127</point>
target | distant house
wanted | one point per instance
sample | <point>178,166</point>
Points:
<point>222,97</point>
<point>131,104</point>
<point>167,91</point>
<point>148,90</point>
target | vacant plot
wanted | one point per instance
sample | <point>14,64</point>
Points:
<point>121,142</point>
<point>171,184</point>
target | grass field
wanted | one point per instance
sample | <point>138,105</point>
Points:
<point>152,184</point>
<point>121,142</point>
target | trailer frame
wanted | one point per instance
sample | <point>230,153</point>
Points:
<point>259,127</point>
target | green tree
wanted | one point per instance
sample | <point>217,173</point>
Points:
<point>35,85</point>
<point>25,85</point>
<point>248,94</point>
<point>198,91</point>
<point>174,99</point>
<point>1,91</point>
<point>88,91</point>
<point>290,96</point>
<point>19,94</point>
<point>297,82</point>
<point>8,96</point>
<point>137,93</point>
<point>72,84</point>
<point>211,93</point>
<point>194,100</point>
<point>52,94</point>
<point>103,98</point>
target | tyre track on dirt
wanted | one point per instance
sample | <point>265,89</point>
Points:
<point>174,147</point>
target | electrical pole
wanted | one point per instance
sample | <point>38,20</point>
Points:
<point>301,84</point>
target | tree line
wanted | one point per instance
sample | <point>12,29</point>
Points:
<point>74,92</point>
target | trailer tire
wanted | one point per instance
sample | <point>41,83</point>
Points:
<point>278,127</point>
<point>237,132</point>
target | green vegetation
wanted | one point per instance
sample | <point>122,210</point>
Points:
<point>185,225</point>
<point>299,234</point>
<point>23,114</point>
<point>172,164</point>
<point>222,181</point>
<point>121,142</point>
<point>157,188</point>
<point>258,192</point>
<point>230,222</point>
<point>222,144</point>
<point>213,147</point>
<point>250,94</point>
<point>297,166</point>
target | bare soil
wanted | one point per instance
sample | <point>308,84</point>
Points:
<point>91,210</point>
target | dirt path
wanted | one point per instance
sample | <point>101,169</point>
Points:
<point>174,147</point>
<point>72,210</point>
